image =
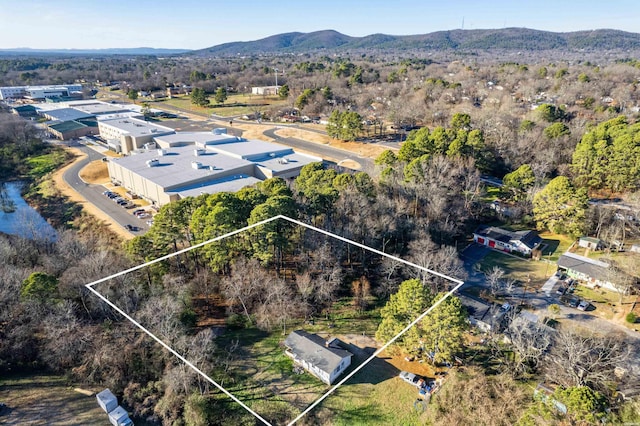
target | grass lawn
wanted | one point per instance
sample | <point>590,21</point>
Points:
<point>233,106</point>
<point>519,268</point>
<point>374,396</point>
<point>492,193</point>
<point>263,377</point>
<point>42,399</point>
<point>557,244</point>
<point>47,163</point>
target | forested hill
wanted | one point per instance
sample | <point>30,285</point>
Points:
<point>521,39</point>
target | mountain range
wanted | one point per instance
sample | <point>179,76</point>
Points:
<point>506,38</point>
<point>515,39</point>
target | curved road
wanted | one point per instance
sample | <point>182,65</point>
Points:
<point>93,193</point>
<point>322,150</point>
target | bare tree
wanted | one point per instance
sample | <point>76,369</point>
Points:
<point>577,359</point>
<point>530,342</point>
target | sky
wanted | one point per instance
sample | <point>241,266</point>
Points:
<point>192,24</point>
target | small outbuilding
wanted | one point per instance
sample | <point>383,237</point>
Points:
<point>591,243</point>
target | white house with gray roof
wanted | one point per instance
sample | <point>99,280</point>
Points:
<point>325,359</point>
<point>593,272</point>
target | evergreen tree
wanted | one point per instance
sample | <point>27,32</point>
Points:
<point>560,207</point>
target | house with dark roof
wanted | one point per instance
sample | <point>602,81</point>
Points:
<point>523,242</point>
<point>593,272</point>
<point>325,359</point>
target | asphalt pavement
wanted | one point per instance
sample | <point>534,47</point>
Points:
<point>323,151</point>
<point>93,193</point>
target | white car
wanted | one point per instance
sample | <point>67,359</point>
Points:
<point>410,378</point>
<point>583,305</point>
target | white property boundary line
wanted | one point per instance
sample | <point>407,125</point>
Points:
<point>246,228</point>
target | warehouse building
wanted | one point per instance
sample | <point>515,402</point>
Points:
<point>194,163</point>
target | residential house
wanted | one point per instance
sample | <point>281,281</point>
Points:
<point>593,272</point>
<point>523,242</point>
<point>325,359</point>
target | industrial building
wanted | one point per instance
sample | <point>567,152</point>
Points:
<point>39,92</point>
<point>194,163</point>
<point>128,134</point>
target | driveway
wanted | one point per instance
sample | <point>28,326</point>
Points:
<point>471,255</point>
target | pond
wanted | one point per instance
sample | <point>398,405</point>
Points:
<point>18,218</point>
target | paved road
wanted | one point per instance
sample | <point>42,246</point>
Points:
<point>93,193</point>
<point>323,151</point>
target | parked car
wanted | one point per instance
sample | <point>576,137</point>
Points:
<point>412,379</point>
<point>561,290</point>
<point>137,211</point>
<point>129,205</point>
<point>128,227</point>
<point>583,306</point>
<point>504,308</point>
<point>574,301</point>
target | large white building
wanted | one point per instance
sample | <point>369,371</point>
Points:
<point>194,163</point>
<point>130,134</point>
<point>38,92</point>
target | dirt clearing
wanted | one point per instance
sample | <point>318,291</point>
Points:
<point>47,400</point>
<point>96,172</point>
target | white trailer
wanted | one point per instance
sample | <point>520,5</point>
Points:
<point>120,417</point>
<point>107,400</point>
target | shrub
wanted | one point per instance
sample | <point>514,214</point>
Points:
<point>631,317</point>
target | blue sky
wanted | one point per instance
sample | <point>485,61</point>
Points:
<point>195,24</point>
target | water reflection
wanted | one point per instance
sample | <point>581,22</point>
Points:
<point>18,218</point>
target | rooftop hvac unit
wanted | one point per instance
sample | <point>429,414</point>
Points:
<point>153,163</point>
<point>162,152</point>
<point>198,152</point>
<point>220,131</point>
<point>196,165</point>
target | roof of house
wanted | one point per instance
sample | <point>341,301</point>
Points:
<point>591,240</point>
<point>313,349</point>
<point>528,238</point>
<point>590,267</point>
